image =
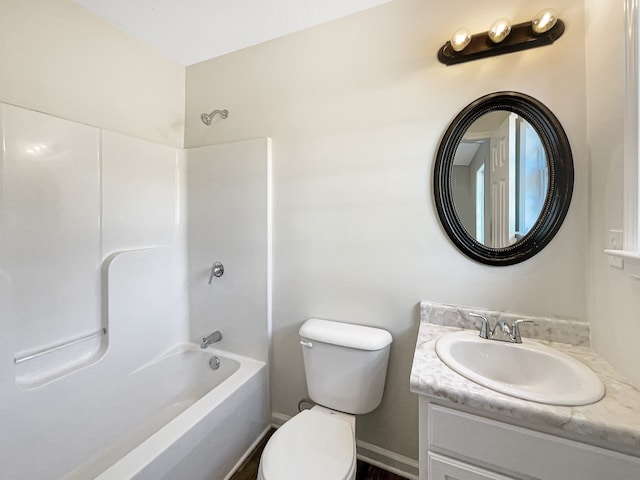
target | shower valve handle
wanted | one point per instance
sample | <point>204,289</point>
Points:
<point>217,270</point>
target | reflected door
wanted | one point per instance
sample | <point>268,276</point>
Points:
<point>502,202</point>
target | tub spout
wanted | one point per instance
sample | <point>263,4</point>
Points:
<point>213,338</point>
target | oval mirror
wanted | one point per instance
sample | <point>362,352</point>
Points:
<point>503,178</point>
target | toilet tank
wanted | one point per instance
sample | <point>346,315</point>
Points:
<point>345,364</point>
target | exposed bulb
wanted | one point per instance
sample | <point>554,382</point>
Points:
<point>545,20</point>
<point>460,39</point>
<point>499,30</point>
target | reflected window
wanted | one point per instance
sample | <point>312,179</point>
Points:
<point>501,178</point>
<point>534,177</point>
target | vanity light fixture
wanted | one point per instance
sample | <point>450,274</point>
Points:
<point>502,38</point>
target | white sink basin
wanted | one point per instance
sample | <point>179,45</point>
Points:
<point>530,371</point>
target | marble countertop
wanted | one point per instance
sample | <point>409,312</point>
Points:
<point>613,422</point>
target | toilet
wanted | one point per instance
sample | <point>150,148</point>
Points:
<point>345,367</point>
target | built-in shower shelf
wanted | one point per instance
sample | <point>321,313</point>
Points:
<point>59,346</point>
<point>37,367</point>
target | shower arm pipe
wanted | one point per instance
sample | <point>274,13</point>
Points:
<point>207,117</point>
<point>223,113</point>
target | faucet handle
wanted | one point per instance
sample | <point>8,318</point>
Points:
<point>484,329</point>
<point>515,331</point>
<point>217,270</point>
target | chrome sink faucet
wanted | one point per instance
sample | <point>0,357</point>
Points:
<point>213,338</point>
<point>502,331</point>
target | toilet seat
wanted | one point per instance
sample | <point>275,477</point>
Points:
<point>316,444</point>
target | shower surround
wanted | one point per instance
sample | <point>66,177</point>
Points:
<point>93,281</point>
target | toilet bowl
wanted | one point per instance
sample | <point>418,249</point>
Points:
<point>316,444</point>
<point>345,368</point>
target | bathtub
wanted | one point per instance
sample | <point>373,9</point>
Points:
<point>173,417</point>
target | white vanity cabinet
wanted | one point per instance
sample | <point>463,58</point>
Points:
<point>457,445</point>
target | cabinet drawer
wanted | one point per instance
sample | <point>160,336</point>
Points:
<point>443,468</point>
<point>513,449</point>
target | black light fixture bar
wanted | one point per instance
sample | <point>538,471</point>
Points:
<point>522,37</point>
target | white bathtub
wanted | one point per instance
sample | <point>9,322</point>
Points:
<point>172,418</point>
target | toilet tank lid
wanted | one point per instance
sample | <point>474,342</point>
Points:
<point>345,334</point>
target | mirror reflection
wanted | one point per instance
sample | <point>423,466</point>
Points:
<point>500,178</point>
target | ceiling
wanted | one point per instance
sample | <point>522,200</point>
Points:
<point>191,31</point>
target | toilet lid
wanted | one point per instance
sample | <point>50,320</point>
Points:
<point>310,446</point>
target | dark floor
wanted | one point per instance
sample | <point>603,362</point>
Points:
<point>249,469</point>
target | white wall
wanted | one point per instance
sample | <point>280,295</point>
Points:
<point>614,296</point>
<point>58,58</point>
<point>90,192</point>
<point>356,109</point>
<point>229,195</point>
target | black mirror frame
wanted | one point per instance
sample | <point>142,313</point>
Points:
<point>559,160</point>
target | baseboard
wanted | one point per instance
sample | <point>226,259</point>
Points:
<point>393,462</point>
<point>278,419</point>
<point>247,453</point>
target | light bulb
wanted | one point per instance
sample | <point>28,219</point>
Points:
<point>545,20</point>
<point>499,30</point>
<point>460,39</point>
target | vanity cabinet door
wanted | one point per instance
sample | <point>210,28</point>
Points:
<point>516,450</point>
<point>443,468</point>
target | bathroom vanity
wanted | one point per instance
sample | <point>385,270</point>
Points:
<point>469,432</point>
